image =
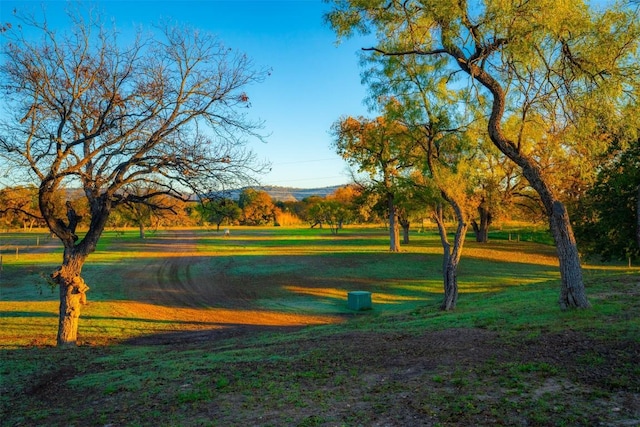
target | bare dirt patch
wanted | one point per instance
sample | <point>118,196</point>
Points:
<point>180,277</point>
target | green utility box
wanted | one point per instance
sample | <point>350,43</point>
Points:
<point>359,300</point>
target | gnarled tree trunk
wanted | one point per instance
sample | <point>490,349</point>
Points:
<point>72,296</point>
<point>72,288</point>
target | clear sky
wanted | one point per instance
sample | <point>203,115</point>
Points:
<point>313,82</point>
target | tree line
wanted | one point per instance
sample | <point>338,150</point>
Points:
<point>351,204</point>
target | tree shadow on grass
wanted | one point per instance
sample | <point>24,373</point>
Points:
<point>28,314</point>
<point>222,333</point>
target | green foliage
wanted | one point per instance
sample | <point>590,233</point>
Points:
<point>607,217</point>
<point>565,76</point>
<point>374,147</point>
<point>217,211</point>
<point>330,212</point>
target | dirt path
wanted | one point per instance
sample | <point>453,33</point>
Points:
<point>179,283</point>
<point>169,279</point>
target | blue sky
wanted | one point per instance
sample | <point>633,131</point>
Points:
<point>313,82</point>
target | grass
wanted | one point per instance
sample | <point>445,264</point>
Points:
<point>506,356</point>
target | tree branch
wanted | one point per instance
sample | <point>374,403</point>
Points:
<point>406,52</point>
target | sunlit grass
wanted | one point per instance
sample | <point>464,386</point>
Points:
<point>278,276</point>
<point>113,321</point>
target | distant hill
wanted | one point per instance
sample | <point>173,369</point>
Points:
<point>287,194</point>
<point>278,194</point>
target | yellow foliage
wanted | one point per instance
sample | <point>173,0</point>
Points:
<point>286,219</point>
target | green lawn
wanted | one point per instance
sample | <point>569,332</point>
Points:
<point>191,328</point>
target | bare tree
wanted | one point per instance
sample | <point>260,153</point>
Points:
<point>82,110</point>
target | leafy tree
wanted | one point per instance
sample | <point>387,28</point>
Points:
<point>331,212</point>
<point>376,148</point>
<point>502,191</point>
<point>19,206</point>
<point>219,210</point>
<point>257,207</point>
<point>450,174</point>
<point>183,213</point>
<point>308,214</point>
<point>437,146</point>
<point>142,205</point>
<point>347,194</point>
<point>83,110</point>
<point>534,60</point>
<point>608,217</point>
<point>367,206</point>
<point>413,205</point>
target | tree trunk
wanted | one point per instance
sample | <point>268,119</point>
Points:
<point>482,230</point>
<point>141,228</point>
<point>72,296</point>
<point>405,224</point>
<point>572,291</point>
<point>444,241</point>
<point>73,289</point>
<point>450,286</point>
<point>638,217</point>
<point>405,233</point>
<point>451,295</point>
<point>451,256</point>
<point>394,231</point>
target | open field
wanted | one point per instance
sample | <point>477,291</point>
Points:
<point>190,328</point>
